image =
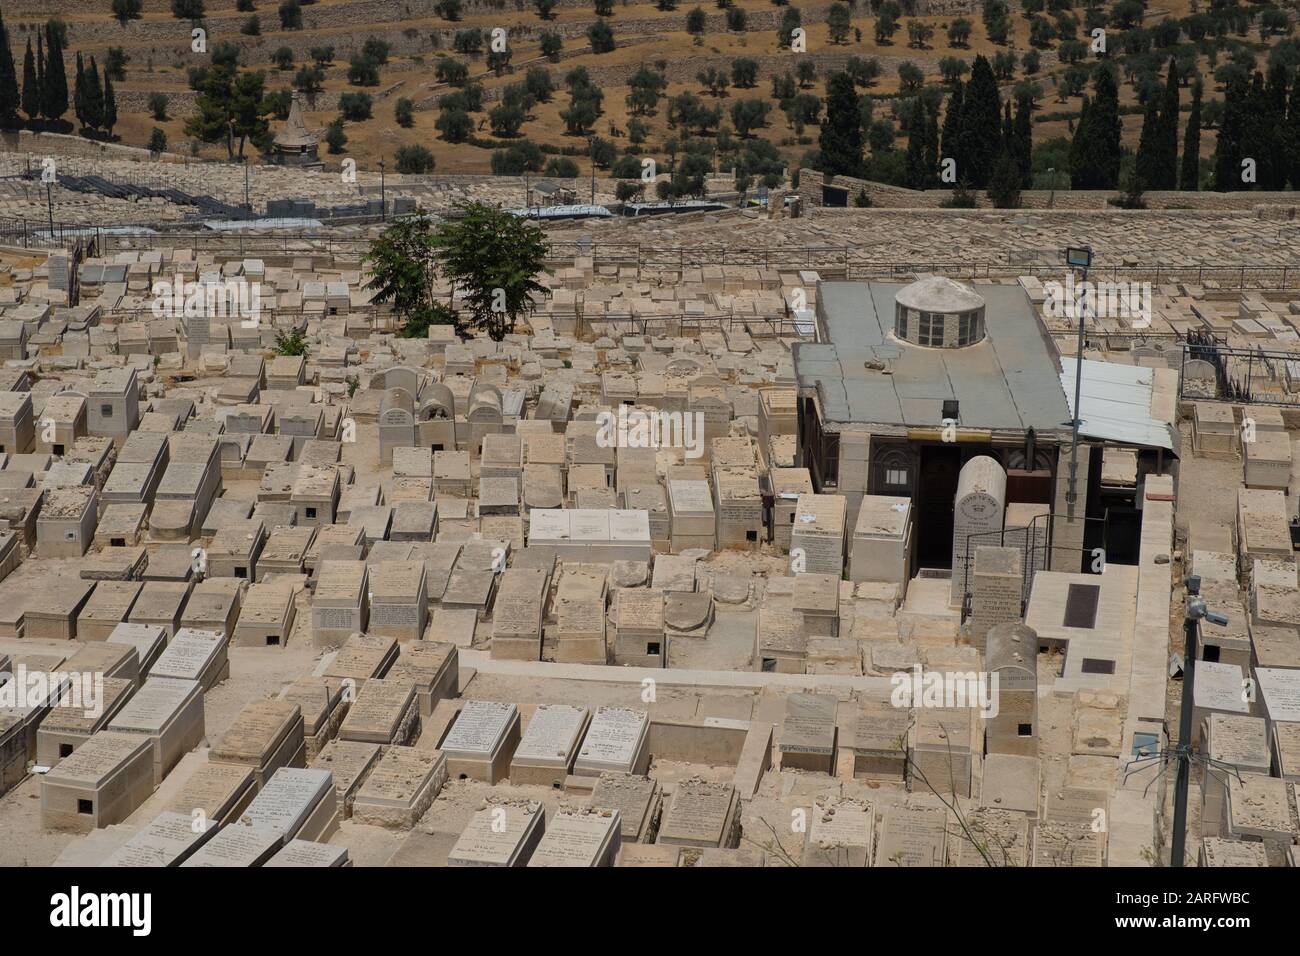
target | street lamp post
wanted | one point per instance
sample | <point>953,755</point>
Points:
<point>383,203</point>
<point>1195,611</point>
<point>1077,257</point>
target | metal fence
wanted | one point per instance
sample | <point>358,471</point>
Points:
<point>1037,548</point>
<point>1211,370</point>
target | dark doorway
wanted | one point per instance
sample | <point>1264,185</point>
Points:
<point>835,196</point>
<point>936,489</point>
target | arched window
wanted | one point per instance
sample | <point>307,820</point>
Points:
<point>893,471</point>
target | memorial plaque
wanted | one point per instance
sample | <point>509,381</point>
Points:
<point>616,740</point>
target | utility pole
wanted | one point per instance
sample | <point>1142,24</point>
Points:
<point>1195,611</point>
<point>591,153</point>
<point>247,205</point>
<point>383,204</point>
<point>49,205</point>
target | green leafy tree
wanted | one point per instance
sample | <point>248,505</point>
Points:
<point>126,10</point>
<point>601,37</point>
<point>403,268</point>
<point>494,258</point>
<point>290,15</point>
<point>839,23</point>
<point>404,113</point>
<point>157,141</point>
<point>454,124</point>
<point>188,9</point>
<point>291,342</point>
<point>335,136</point>
<point>414,159</point>
<point>232,107</point>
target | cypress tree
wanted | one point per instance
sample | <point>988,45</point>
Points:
<point>1094,152</point>
<point>1004,179</point>
<point>9,94</point>
<point>931,145</point>
<point>1148,158</point>
<point>1166,145</point>
<point>841,133</point>
<point>79,92</point>
<point>31,85</point>
<point>1279,158</point>
<point>40,73</point>
<point>1257,130</point>
<point>55,86</point>
<point>110,103</point>
<point>93,97</point>
<point>952,127</point>
<point>981,125</point>
<point>1293,136</point>
<point>1227,154</point>
<point>1024,143</point>
<point>1189,178</point>
<point>914,167</point>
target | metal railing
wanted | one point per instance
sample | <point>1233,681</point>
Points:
<point>1211,370</point>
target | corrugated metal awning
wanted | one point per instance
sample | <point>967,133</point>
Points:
<point>1116,402</point>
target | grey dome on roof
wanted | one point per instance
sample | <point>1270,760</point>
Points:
<point>936,312</point>
<point>939,294</point>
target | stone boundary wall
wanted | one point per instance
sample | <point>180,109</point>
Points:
<point>1271,205</point>
<point>40,10</point>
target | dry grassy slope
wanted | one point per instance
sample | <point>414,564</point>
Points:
<point>161,65</point>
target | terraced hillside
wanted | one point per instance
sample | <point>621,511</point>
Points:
<point>405,51</point>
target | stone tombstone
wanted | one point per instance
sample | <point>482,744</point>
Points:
<point>502,833</point>
<point>548,746</point>
<point>616,740</point>
<point>481,742</point>
<point>295,803</point>
<point>305,853</point>
<point>579,837</point>
<point>636,798</point>
<point>702,814</point>
<point>978,508</point>
<point>808,733</point>
<point>912,836</point>
<point>167,840</point>
<point>238,846</point>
